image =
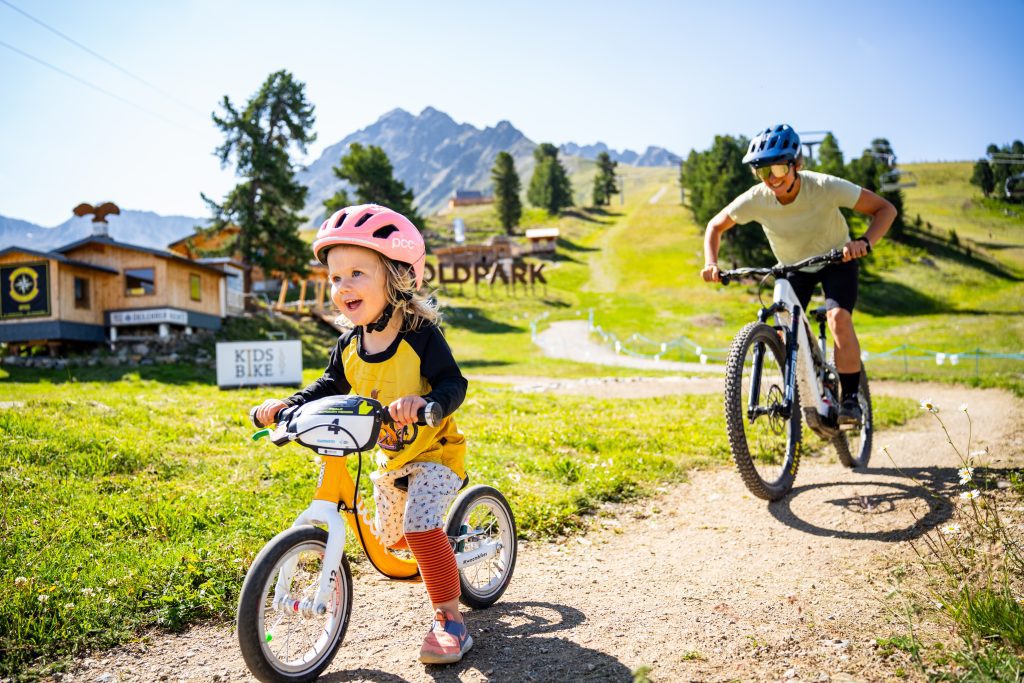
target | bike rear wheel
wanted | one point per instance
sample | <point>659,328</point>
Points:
<point>854,445</point>
<point>766,444</point>
<point>280,643</point>
<point>481,521</point>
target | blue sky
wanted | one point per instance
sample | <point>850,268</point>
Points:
<point>939,79</point>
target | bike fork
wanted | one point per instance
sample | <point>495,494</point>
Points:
<point>318,512</point>
<point>791,358</point>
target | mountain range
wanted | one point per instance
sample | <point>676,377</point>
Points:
<point>431,153</point>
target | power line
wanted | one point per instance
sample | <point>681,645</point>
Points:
<point>93,86</point>
<point>104,59</point>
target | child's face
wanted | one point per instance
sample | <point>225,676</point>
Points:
<point>357,283</point>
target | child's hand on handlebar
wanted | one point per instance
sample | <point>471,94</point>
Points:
<point>710,273</point>
<point>267,411</point>
<point>403,411</point>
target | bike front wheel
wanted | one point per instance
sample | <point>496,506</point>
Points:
<point>281,641</point>
<point>765,442</point>
<point>854,445</point>
<point>483,534</point>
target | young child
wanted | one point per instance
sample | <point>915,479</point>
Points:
<point>396,351</point>
<point>799,211</point>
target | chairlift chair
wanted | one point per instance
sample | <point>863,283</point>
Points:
<point>897,180</point>
<point>1014,186</point>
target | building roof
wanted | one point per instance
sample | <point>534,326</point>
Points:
<point>57,257</point>
<point>469,194</point>
<point>540,233</point>
<point>145,250</point>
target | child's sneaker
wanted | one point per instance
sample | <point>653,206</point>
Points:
<point>446,641</point>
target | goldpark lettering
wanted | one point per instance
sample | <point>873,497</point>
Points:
<point>457,274</point>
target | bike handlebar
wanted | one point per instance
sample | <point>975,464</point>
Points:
<point>429,415</point>
<point>834,256</point>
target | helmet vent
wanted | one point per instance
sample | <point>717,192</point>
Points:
<point>341,219</point>
<point>362,219</point>
<point>383,232</point>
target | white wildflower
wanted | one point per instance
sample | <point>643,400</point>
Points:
<point>938,605</point>
<point>88,592</point>
<point>971,495</point>
<point>963,407</point>
<point>112,582</point>
<point>951,529</point>
<point>43,597</point>
<point>926,404</point>
<point>966,474</point>
<point>20,581</point>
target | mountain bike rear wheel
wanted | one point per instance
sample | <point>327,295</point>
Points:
<point>280,642</point>
<point>854,445</point>
<point>481,521</point>
<point>765,443</point>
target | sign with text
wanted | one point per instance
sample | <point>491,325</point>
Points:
<point>25,290</point>
<point>149,316</point>
<point>259,363</point>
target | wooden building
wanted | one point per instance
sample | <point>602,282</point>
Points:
<point>98,289</point>
<point>542,240</point>
<point>496,248</point>
<point>469,198</point>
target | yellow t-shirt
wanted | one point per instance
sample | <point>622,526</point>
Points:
<point>812,224</point>
<point>417,363</point>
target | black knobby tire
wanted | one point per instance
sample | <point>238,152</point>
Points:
<point>854,446</point>
<point>766,451</point>
<point>484,509</point>
<point>254,608</point>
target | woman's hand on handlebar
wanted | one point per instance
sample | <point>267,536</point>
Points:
<point>711,273</point>
<point>855,249</point>
<point>403,411</point>
<point>266,412</point>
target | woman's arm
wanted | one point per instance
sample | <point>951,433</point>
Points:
<point>712,241</point>
<point>881,211</point>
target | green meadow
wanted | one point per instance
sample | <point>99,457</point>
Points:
<point>135,498</point>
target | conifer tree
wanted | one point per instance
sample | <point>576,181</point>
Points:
<point>605,184</point>
<point>506,191</point>
<point>371,174</point>
<point>550,188</point>
<point>264,205</point>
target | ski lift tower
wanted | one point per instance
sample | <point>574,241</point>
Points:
<point>810,139</point>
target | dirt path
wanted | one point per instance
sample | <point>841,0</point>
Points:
<point>703,583</point>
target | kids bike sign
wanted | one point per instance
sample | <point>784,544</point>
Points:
<point>259,363</point>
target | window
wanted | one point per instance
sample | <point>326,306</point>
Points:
<point>195,287</point>
<point>138,282</point>
<point>81,293</point>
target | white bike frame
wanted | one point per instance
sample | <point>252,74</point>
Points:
<point>786,302</point>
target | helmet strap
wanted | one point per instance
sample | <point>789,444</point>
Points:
<point>381,322</point>
<point>796,176</point>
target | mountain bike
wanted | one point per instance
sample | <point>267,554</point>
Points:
<point>296,600</point>
<point>773,374</point>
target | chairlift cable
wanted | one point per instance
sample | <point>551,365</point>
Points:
<point>104,59</point>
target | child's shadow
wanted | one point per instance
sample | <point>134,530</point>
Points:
<point>511,644</point>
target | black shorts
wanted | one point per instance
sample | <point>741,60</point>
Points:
<point>839,280</point>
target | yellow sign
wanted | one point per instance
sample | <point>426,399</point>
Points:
<point>24,290</point>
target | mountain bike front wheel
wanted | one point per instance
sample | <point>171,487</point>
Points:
<point>483,534</point>
<point>284,640</point>
<point>854,446</point>
<point>765,442</point>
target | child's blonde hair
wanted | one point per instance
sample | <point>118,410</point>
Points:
<point>415,309</point>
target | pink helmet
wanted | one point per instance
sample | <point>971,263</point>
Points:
<point>374,227</point>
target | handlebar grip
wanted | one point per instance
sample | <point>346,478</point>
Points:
<point>724,278</point>
<point>429,415</point>
<point>255,421</point>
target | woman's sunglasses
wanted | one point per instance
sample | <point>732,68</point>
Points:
<point>777,170</point>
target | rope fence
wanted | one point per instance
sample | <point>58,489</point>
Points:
<point>637,345</point>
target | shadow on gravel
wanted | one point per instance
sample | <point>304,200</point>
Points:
<point>512,642</point>
<point>876,509</point>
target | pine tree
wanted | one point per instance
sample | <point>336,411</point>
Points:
<point>550,188</point>
<point>506,191</point>
<point>605,184</point>
<point>264,206</point>
<point>371,174</point>
<point>982,177</point>
<point>830,157</point>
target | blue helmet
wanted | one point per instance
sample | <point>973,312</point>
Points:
<point>778,144</point>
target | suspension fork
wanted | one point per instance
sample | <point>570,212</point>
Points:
<point>822,369</point>
<point>758,363</point>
